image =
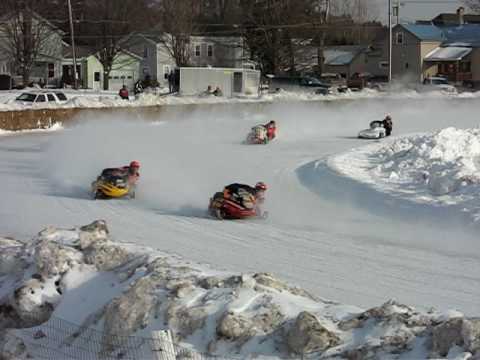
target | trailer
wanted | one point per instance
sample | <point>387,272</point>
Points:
<point>232,82</point>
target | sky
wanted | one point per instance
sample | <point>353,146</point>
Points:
<point>419,9</point>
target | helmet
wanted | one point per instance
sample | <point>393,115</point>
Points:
<point>134,164</point>
<point>272,122</point>
<point>260,186</point>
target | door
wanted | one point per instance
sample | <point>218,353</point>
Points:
<point>237,82</point>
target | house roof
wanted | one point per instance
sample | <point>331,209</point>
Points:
<point>425,32</point>
<point>448,53</point>
<point>341,55</point>
<point>469,33</point>
<point>447,19</point>
<point>80,51</point>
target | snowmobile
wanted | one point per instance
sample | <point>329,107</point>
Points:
<point>257,135</point>
<point>375,131</point>
<point>227,209</point>
<point>111,185</point>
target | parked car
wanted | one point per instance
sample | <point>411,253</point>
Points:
<point>299,83</point>
<point>436,83</point>
<point>29,98</point>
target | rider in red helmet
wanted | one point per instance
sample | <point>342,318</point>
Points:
<point>271,129</point>
<point>130,170</point>
<point>239,192</point>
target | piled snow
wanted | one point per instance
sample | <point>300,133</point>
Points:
<point>442,168</point>
<point>55,127</point>
<point>107,99</point>
<point>119,290</point>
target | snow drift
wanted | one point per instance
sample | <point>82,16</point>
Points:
<point>121,293</point>
<point>441,168</point>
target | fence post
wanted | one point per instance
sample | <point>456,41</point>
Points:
<point>162,345</point>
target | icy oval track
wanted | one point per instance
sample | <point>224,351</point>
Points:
<point>327,234</point>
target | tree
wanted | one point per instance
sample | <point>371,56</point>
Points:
<point>104,25</point>
<point>474,5</point>
<point>177,25</point>
<point>24,34</point>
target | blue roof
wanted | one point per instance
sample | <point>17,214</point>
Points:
<point>468,33</point>
<point>425,32</point>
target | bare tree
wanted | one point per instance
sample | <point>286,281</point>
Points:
<point>24,34</point>
<point>106,23</point>
<point>474,5</point>
<point>177,26</point>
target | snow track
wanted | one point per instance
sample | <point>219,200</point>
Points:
<point>335,237</point>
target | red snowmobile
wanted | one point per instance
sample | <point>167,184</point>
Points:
<point>229,209</point>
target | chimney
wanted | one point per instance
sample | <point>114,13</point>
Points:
<point>460,13</point>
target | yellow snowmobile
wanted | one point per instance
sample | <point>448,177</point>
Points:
<point>110,186</point>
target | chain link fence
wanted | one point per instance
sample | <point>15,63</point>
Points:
<point>60,339</point>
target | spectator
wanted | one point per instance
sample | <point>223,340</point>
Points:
<point>123,93</point>
<point>209,90</point>
<point>171,82</point>
<point>218,91</point>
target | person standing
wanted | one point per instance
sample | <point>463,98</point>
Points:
<point>123,93</point>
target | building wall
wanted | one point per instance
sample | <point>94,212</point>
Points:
<point>226,51</point>
<point>476,67</point>
<point>406,60</point>
<point>376,59</point>
<point>427,69</point>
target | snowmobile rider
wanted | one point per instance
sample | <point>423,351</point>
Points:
<point>388,125</point>
<point>130,170</point>
<point>236,192</point>
<point>271,129</point>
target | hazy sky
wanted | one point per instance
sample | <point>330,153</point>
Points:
<point>419,9</point>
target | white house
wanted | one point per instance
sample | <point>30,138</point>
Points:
<point>47,64</point>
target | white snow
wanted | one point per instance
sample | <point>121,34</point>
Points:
<point>328,234</point>
<point>107,99</point>
<point>441,168</point>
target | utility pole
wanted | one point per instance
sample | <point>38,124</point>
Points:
<point>72,36</point>
<point>389,41</point>
<point>323,35</point>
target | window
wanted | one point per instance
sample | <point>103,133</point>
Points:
<point>96,76</point>
<point>465,66</point>
<point>209,50</point>
<point>50,97</point>
<point>197,50</point>
<point>406,65</point>
<point>399,38</point>
<point>51,70</point>
<point>145,52</point>
<point>61,96</point>
<point>40,98</point>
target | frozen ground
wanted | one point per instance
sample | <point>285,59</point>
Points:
<point>333,236</point>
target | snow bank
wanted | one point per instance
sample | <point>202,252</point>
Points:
<point>117,290</point>
<point>442,168</point>
<point>92,99</point>
<point>55,127</point>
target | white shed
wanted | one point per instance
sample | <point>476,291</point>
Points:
<point>195,80</point>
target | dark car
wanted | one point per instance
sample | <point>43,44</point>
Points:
<point>299,82</point>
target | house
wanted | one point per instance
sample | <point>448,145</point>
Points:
<point>126,69</point>
<point>218,51</point>
<point>410,44</point>
<point>157,60</point>
<point>46,67</point>
<point>423,50</point>
<point>345,60</point>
